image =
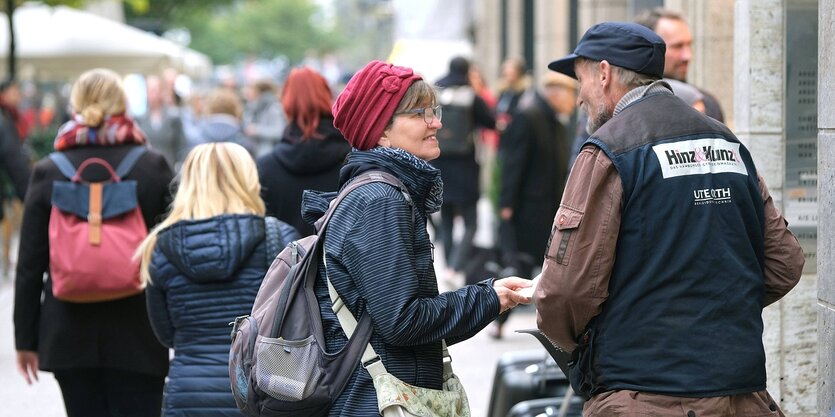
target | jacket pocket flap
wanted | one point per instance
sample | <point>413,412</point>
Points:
<point>568,218</point>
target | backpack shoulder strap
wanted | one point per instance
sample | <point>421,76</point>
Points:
<point>129,161</point>
<point>63,163</point>
<point>271,232</point>
<point>358,181</point>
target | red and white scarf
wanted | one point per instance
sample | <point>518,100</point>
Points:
<point>115,130</point>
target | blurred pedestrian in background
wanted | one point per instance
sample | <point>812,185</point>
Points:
<point>192,115</point>
<point>658,188</point>
<point>14,166</point>
<point>672,27</point>
<point>379,257</point>
<point>263,118</point>
<point>691,95</point>
<point>161,122</point>
<point>15,160</point>
<point>222,122</point>
<point>104,355</point>
<point>513,83</point>
<point>310,153</point>
<point>464,113</point>
<point>534,160</point>
<point>203,265</point>
<point>488,138</point>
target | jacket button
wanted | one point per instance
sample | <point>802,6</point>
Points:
<point>691,413</point>
<point>772,407</point>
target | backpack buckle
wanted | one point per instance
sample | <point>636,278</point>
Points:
<point>371,361</point>
<point>236,325</point>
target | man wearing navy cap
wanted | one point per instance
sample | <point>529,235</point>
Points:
<point>665,248</point>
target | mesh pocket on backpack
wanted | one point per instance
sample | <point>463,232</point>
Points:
<point>287,369</point>
<point>244,335</point>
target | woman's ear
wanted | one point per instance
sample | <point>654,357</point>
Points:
<point>384,140</point>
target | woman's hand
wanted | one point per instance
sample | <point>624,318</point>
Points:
<point>506,290</point>
<point>27,365</point>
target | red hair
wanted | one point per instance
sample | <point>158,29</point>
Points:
<point>306,98</point>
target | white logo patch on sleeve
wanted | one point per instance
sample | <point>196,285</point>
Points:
<point>699,156</point>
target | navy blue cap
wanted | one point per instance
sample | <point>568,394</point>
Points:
<point>626,45</point>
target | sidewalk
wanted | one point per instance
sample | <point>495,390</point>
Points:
<point>42,399</point>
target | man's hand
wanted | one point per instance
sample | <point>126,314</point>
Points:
<point>506,213</point>
<point>27,365</point>
<point>506,290</point>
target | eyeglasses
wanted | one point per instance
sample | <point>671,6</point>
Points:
<point>428,113</point>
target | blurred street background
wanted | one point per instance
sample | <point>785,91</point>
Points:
<point>768,64</point>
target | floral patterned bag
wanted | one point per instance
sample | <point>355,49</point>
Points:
<point>396,398</point>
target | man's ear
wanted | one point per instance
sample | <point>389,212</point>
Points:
<point>605,73</point>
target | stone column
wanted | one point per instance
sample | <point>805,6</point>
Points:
<point>515,29</point>
<point>488,39</point>
<point>595,11</point>
<point>551,35</point>
<point>826,202</point>
<point>759,71</point>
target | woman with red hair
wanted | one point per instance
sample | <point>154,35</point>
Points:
<point>310,153</point>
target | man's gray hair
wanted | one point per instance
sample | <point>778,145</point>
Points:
<point>628,78</point>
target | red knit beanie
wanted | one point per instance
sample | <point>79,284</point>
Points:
<point>366,105</point>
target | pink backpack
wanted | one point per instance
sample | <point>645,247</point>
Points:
<point>94,229</point>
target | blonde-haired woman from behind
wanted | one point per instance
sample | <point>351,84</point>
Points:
<point>103,354</point>
<point>203,266</point>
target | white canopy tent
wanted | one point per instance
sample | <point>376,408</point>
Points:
<point>59,42</point>
<point>429,36</point>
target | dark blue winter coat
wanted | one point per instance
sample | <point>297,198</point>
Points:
<point>380,261</point>
<point>204,274</point>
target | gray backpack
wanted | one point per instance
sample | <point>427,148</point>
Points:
<point>278,366</point>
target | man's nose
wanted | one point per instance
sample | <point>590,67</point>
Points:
<point>687,53</point>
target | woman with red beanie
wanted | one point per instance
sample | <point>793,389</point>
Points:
<point>377,250</point>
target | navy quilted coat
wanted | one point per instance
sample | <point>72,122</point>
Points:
<point>380,261</point>
<point>204,274</point>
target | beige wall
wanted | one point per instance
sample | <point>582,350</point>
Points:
<point>596,11</point>
<point>487,49</point>
<point>826,202</point>
<point>551,35</point>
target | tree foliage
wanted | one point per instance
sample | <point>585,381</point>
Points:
<point>264,29</point>
<point>229,30</point>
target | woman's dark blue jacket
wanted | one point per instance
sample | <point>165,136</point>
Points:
<point>204,273</point>
<point>380,261</point>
